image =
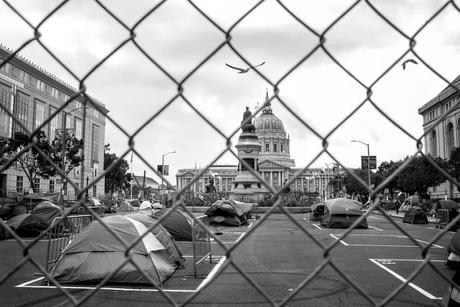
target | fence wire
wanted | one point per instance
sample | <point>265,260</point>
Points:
<point>227,41</point>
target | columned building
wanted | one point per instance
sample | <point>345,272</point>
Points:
<point>275,163</point>
<point>32,95</point>
<point>442,137</point>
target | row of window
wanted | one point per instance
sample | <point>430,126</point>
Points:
<point>275,147</point>
<point>36,185</point>
<point>442,108</point>
<point>24,77</point>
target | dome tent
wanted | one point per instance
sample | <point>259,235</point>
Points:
<point>95,252</point>
<point>342,213</point>
<point>27,225</point>
<point>178,223</point>
<point>47,212</point>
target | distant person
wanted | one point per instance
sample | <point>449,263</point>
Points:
<point>397,205</point>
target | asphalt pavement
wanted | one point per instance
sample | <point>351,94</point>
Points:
<point>280,259</point>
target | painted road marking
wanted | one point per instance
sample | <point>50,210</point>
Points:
<point>317,226</point>
<point>336,236</point>
<point>341,241</point>
<point>415,287</point>
<point>372,227</point>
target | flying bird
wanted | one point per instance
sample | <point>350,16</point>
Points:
<point>244,70</point>
<point>408,61</point>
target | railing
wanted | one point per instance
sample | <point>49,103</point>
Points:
<point>201,244</point>
<point>63,231</point>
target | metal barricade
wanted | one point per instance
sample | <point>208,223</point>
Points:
<point>442,218</point>
<point>201,244</point>
<point>63,232</point>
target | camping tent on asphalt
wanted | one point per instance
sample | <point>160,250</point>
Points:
<point>317,211</point>
<point>145,205</point>
<point>453,252</point>
<point>342,213</point>
<point>229,212</point>
<point>27,225</point>
<point>178,223</point>
<point>95,252</point>
<point>415,215</point>
<point>47,212</point>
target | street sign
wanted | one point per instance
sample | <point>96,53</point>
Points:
<point>372,160</point>
<point>165,169</point>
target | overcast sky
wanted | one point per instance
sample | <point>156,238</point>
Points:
<point>81,34</point>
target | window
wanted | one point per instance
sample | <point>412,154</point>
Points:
<point>449,139</point>
<point>16,72</point>
<point>267,146</point>
<point>77,104</point>
<point>434,144</point>
<point>21,111</point>
<point>78,128</point>
<point>95,144</point>
<point>94,191</point>
<point>275,147</point>
<point>68,121</point>
<point>5,120</point>
<point>51,186</point>
<point>282,148</point>
<point>19,184</point>
<point>53,124</point>
<point>39,113</point>
<point>96,113</point>
<point>36,185</point>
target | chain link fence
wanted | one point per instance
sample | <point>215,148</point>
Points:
<point>231,252</point>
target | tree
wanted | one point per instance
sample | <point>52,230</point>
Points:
<point>385,170</point>
<point>454,163</point>
<point>118,176</point>
<point>352,185</point>
<point>420,174</point>
<point>73,155</point>
<point>32,162</point>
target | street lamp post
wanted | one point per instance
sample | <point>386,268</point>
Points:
<point>163,166</point>
<point>368,167</point>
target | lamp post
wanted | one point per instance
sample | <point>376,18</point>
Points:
<point>163,165</point>
<point>368,167</point>
<point>87,184</point>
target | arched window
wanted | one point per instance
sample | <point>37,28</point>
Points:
<point>434,144</point>
<point>449,139</point>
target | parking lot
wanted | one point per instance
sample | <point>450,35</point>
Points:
<point>277,257</point>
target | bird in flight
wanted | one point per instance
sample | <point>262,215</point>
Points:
<point>244,70</point>
<point>408,61</point>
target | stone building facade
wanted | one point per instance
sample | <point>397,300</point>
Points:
<point>443,136</point>
<point>32,94</point>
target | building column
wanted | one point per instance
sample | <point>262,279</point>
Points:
<point>271,179</point>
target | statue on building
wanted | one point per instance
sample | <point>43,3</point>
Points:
<point>246,123</point>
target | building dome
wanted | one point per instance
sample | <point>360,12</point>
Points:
<point>269,123</point>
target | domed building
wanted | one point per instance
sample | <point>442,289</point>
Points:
<point>274,159</point>
<point>274,163</point>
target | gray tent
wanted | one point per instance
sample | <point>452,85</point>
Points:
<point>95,252</point>
<point>27,225</point>
<point>47,212</point>
<point>178,223</point>
<point>415,215</point>
<point>342,213</point>
<point>229,212</point>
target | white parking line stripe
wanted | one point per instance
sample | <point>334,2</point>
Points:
<point>317,226</point>
<point>211,274</point>
<point>435,245</point>
<point>375,228</point>
<point>341,241</point>
<point>415,287</point>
